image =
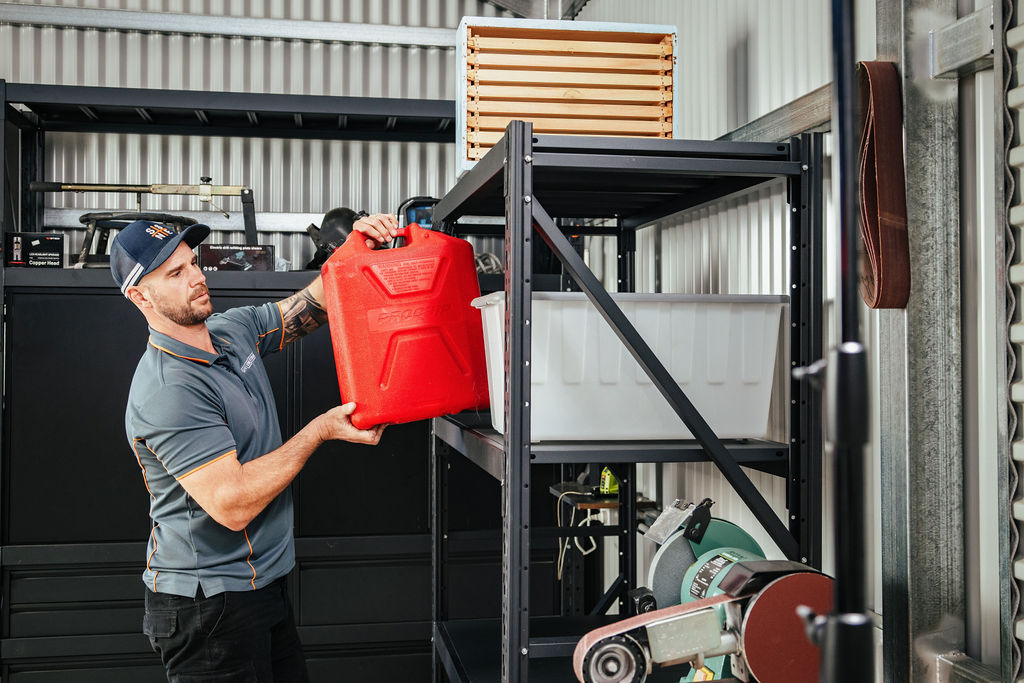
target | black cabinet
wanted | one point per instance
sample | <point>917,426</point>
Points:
<point>75,511</point>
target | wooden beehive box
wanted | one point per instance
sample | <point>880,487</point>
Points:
<point>566,77</point>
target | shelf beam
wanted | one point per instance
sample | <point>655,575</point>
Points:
<point>483,446</point>
<point>486,172</point>
<point>60,108</point>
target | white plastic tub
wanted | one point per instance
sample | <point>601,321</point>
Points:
<point>586,386</point>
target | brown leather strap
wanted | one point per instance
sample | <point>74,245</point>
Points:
<point>885,260</point>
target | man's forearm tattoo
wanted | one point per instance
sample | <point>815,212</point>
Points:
<point>302,314</point>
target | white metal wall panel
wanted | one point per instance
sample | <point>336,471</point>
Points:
<point>737,59</point>
<point>69,56</point>
<point>736,246</point>
<point>289,176</point>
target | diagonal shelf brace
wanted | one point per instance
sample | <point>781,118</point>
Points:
<point>643,354</point>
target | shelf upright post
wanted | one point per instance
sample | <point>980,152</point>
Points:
<point>806,330</point>
<point>4,227</point>
<point>5,220</point>
<point>31,203</point>
<point>626,473</point>
<point>626,259</point>
<point>515,554</point>
<point>439,545</point>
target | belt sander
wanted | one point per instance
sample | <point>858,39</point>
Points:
<point>749,615</point>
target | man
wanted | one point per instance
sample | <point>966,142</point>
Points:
<point>202,422</point>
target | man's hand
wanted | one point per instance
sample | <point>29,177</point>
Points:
<point>336,424</point>
<point>378,228</point>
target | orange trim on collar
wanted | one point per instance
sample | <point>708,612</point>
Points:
<point>176,355</point>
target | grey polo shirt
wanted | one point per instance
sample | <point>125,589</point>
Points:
<point>186,409</point>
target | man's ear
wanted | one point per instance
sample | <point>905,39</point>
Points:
<point>138,297</point>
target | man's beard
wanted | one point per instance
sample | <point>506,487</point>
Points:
<point>185,315</point>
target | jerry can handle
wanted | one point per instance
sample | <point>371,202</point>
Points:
<point>405,233</point>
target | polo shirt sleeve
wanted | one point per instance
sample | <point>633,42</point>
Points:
<point>184,428</point>
<point>265,323</point>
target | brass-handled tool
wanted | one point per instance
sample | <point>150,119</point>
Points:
<point>205,191</point>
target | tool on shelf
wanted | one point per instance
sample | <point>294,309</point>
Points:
<point>205,191</point>
<point>678,553</point>
<point>750,618</point>
<point>98,225</point>
<point>333,231</point>
<point>418,210</point>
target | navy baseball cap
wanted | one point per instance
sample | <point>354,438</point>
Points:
<point>141,247</point>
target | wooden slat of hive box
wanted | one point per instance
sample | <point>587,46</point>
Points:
<point>566,83</point>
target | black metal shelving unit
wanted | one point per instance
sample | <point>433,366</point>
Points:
<point>36,110</point>
<point>533,180</point>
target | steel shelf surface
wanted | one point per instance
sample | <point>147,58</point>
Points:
<point>481,444</point>
<point>468,649</point>
<point>636,180</point>
<point>92,109</point>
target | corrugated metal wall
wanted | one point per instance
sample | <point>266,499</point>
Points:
<point>738,60</point>
<point>1015,101</point>
<point>290,176</point>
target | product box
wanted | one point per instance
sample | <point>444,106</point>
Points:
<point>34,249</point>
<point>565,77</point>
<point>585,385</point>
<point>236,257</point>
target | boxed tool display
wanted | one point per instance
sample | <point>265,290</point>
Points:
<point>565,77</point>
<point>34,249</point>
<point>216,257</point>
<point>721,350</point>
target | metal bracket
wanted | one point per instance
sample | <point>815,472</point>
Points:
<point>957,667</point>
<point>964,47</point>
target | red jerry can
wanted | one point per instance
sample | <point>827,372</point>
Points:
<point>407,343</point>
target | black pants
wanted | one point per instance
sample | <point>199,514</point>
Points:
<point>244,637</point>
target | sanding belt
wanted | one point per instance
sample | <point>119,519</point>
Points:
<point>773,637</point>
<point>639,621</point>
<point>885,262</point>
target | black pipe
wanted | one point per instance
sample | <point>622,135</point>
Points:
<point>845,134</point>
<point>847,636</point>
